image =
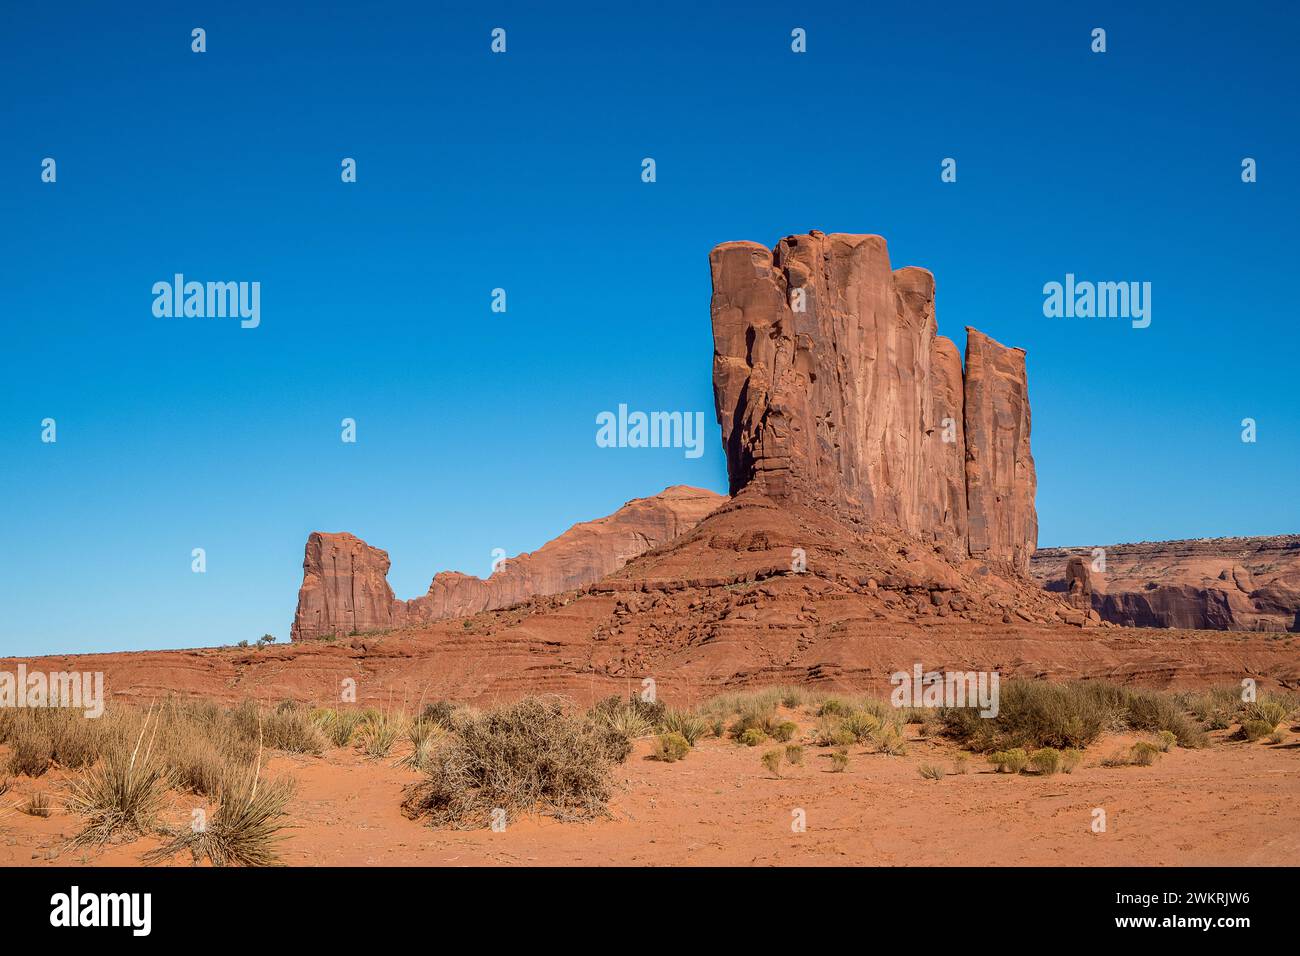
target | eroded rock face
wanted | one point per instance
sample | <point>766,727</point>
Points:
<point>833,389</point>
<point>345,588</point>
<point>1000,478</point>
<point>1234,584</point>
<point>1078,584</point>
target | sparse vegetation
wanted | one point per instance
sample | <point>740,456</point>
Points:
<point>121,795</point>
<point>1009,761</point>
<point>961,764</point>
<point>530,755</point>
<point>37,805</point>
<point>772,761</point>
<point>1070,760</point>
<point>1254,730</point>
<point>751,737</point>
<point>785,731</point>
<point>670,748</point>
<point>930,771</point>
<point>1036,714</point>
<point>793,754</point>
<point>1046,760</point>
<point>1166,739</point>
<point>690,726</point>
<point>379,731</point>
<point>245,828</point>
<point>839,761</point>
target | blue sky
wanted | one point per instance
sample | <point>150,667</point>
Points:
<point>522,171</point>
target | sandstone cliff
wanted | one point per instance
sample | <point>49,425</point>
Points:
<point>1235,584</point>
<point>345,588</point>
<point>833,389</point>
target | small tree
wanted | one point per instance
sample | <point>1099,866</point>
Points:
<point>265,639</point>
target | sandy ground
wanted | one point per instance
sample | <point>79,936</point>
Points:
<point>1233,804</point>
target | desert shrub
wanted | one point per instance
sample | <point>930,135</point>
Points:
<point>961,764</point>
<point>1254,730</point>
<point>793,754</point>
<point>861,725</point>
<point>633,717</point>
<point>1046,760</point>
<point>1144,754</point>
<point>1267,711</point>
<point>379,732</point>
<point>831,732</point>
<point>1036,714</point>
<point>1276,737</point>
<point>793,697</point>
<point>1070,760</point>
<point>121,795</point>
<point>1031,714</point>
<point>439,713</point>
<point>42,737</point>
<point>772,761</point>
<point>719,727</point>
<point>690,726</point>
<point>624,719</point>
<point>834,707</point>
<point>670,748</point>
<point>37,805</point>
<point>291,729</point>
<point>751,737</point>
<point>889,741</point>
<point>1116,758</point>
<point>1152,711</point>
<point>245,828</point>
<point>1009,761</point>
<point>423,736</point>
<point>1165,740</point>
<point>930,771</point>
<point>341,726</point>
<point>785,731</point>
<point>529,755</point>
<point>930,726</point>
<point>839,761</point>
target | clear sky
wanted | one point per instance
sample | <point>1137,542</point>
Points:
<point>522,171</point>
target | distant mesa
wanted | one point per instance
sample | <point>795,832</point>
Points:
<point>345,581</point>
<point>1231,584</point>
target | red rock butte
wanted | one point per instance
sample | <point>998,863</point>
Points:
<point>833,389</point>
<point>345,581</point>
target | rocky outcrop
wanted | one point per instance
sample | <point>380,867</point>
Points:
<point>1000,479</point>
<point>1234,584</point>
<point>833,389</point>
<point>345,588</point>
<point>1078,584</point>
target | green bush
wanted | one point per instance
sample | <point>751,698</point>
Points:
<point>1046,760</point>
<point>670,748</point>
<point>1144,754</point>
<point>1009,761</point>
<point>751,737</point>
<point>1070,760</point>
<point>772,761</point>
<point>785,731</point>
<point>839,761</point>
